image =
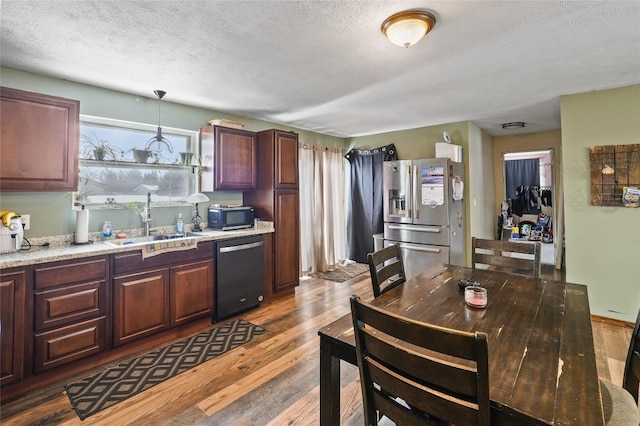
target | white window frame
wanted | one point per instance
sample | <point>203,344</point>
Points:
<point>96,202</point>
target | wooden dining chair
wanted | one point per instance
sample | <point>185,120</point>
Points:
<point>434,371</point>
<point>507,256</point>
<point>620,404</point>
<point>386,268</point>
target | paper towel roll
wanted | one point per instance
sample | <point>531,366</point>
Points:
<point>82,226</point>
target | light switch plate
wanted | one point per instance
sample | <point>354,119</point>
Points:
<point>26,221</point>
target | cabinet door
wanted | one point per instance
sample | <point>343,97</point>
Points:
<point>234,159</point>
<point>40,136</point>
<point>286,160</point>
<point>12,290</point>
<point>140,305</point>
<point>191,291</point>
<point>287,240</point>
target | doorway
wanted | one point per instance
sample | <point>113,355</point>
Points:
<point>531,192</point>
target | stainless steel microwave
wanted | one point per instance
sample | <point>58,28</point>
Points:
<point>227,218</point>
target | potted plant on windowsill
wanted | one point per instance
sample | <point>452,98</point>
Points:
<point>140,155</point>
<point>99,149</point>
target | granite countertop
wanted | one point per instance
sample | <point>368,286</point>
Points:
<point>55,252</point>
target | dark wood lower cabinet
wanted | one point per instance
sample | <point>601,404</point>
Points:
<point>12,303</point>
<point>191,292</point>
<point>57,316</point>
<point>152,301</point>
<point>160,292</point>
<point>141,305</point>
<point>70,311</point>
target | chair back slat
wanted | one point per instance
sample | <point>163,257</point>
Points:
<point>507,256</point>
<point>456,376</point>
<point>435,370</point>
<point>427,399</point>
<point>386,269</point>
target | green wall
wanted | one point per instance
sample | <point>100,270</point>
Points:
<point>481,211</point>
<point>602,243</point>
<point>51,212</point>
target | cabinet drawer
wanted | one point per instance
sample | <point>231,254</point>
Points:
<point>129,262</point>
<point>90,269</point>
<point>66,344</point>
<point>62,306</point>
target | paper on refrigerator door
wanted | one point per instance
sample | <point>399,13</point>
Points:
<point>432,179</point>
<point>458,188</point>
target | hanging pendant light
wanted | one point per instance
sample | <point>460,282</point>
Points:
<point>158,139</point>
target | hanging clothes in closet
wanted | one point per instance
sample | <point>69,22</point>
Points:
<point>546,196</point>
<point>527,200</point>
<point>364,215</point>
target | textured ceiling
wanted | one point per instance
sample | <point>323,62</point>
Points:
<point>325,66</point>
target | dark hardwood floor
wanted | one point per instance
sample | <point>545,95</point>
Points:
<point>272,380</point>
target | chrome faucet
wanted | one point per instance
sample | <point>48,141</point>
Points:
<point>146,215</point>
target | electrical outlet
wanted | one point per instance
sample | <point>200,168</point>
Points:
<point>26,221</point>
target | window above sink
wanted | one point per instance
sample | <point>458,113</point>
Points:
<point>120,161</point>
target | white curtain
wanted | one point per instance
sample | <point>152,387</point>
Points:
<point>322,207</point>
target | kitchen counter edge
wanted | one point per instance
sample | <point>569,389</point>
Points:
<point>37,255</point>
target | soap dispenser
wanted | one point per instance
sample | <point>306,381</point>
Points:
<point>180,224</point>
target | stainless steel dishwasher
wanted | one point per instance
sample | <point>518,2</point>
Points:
<point>239,275</point>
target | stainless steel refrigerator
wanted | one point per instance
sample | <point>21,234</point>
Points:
<point>424,212</point>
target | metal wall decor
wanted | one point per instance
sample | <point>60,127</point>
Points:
<point>615,175</point>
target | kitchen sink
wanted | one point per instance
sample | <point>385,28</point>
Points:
<point>150,239</point>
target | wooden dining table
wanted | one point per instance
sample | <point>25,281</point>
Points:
<point>542,363</point>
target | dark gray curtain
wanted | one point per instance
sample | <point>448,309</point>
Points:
<point>364,215</point>
<point>521,173</point>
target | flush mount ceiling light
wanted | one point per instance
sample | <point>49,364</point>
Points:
<point>513,125</point>
<point>158,139</point>
<point>408,27</point>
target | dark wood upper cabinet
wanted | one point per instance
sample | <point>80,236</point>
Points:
<point>286,159</point>
<point>232,153</point>
<point>39,148</point>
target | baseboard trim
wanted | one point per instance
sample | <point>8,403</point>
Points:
<point>611,321</point>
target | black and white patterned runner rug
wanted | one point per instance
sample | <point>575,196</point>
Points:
<point>106,388</point>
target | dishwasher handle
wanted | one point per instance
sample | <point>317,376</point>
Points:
<point>241,247</point>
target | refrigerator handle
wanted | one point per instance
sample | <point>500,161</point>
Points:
<point>416,210</point>
<point>408,209</point>
<point>423,249</point>
<point>415,228</point>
